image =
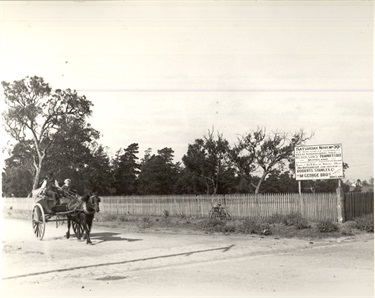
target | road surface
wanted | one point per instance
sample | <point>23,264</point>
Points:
<point>167,265</point>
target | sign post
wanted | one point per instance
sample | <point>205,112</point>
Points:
<point>321,162</point>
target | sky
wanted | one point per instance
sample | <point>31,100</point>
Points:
<point>164,73</point>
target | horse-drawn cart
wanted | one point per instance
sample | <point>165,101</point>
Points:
<point>77,211</point>
<point>40,218</point>
<point>40,215</point>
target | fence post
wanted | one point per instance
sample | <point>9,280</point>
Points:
<point>340,204</point>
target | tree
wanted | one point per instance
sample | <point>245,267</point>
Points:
<point>35,113</point>
<point>97,172</point>
<point>208,159</point>
<point>126,170</point>
<point>266,153</point>
<point>158,174</point>
<point>18,171</point>
<point>278,182</point>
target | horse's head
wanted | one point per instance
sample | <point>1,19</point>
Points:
<point>94,201</point>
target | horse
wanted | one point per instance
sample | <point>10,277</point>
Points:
<point>84,211</point>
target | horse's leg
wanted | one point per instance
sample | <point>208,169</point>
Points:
<point>68,232</point>
<point>83,221</point>
<point>87,229</point>
<point>89,219</point>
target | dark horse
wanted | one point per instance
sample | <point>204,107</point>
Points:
<point>83,215</point>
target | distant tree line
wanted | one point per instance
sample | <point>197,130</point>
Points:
<point>53,136</point>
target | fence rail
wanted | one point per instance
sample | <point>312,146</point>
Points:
<point>319,206</point>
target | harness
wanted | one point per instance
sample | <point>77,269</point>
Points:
<point>85,210</point>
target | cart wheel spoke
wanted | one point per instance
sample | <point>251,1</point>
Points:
<point>38,221</point>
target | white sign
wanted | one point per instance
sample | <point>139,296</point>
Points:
<point>319,162</point>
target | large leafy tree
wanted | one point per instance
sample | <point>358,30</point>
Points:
<point>265,153</point>
<point>36,113</point>
<point>126,170</point>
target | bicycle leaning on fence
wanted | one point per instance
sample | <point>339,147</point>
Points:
<point>219,212</point>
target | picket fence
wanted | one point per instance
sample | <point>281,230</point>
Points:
<point>314,207</point>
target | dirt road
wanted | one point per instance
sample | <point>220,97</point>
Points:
<point>161,265</point>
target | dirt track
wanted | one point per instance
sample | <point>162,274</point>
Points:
<point>140,264</point>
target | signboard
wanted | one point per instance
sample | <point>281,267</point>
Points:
<point>315,162</point>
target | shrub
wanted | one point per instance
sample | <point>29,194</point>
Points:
<point>296,219</point>
<point>346,230</point>
<point>365,223</point>
<point>253,227</point>
<point>211,225</point>
<point>165,213</point>
<point>327,226</point>
<point>275,218</point>
<point>228,228</point>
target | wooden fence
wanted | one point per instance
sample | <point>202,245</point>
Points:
<point>314,207</point>
<point>357,204</point>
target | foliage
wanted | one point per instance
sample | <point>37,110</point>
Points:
<point>365,223</point>
<point>17,182</point>
<point>208,164</point>
<point>126,170</point>
<point>158,173</point>
<point>37,116</point>
<point>278,182</point>
<point>327,226</point>
<point>250,226</point>
<point>296,219</point>
<point>322,186</point>
<point>268,153</point>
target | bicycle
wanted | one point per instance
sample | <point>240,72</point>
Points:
<point>219,212</point>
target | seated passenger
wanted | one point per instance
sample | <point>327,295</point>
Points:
<point>67,189</point>
<point>50,190</point>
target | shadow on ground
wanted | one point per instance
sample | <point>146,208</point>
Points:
<point>110,236</point>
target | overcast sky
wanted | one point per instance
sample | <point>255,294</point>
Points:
<point>163,73</point>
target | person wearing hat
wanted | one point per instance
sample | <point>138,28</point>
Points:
<point>50,190</point>
<point>67,189</point>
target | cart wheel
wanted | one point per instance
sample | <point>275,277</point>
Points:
<point>78,229</point>
<point>38,221</point>
<point>214,215</point>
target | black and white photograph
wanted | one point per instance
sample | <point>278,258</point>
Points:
<point>176,148</point>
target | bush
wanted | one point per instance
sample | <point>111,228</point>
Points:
<point>275,218</point>
<point>347,229</point>
<point>228,228</point>
<point>252,227</point>
<point>212,225</point>
<point>296,219</point>
<point>327,226</point>
<point>365,223</point>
